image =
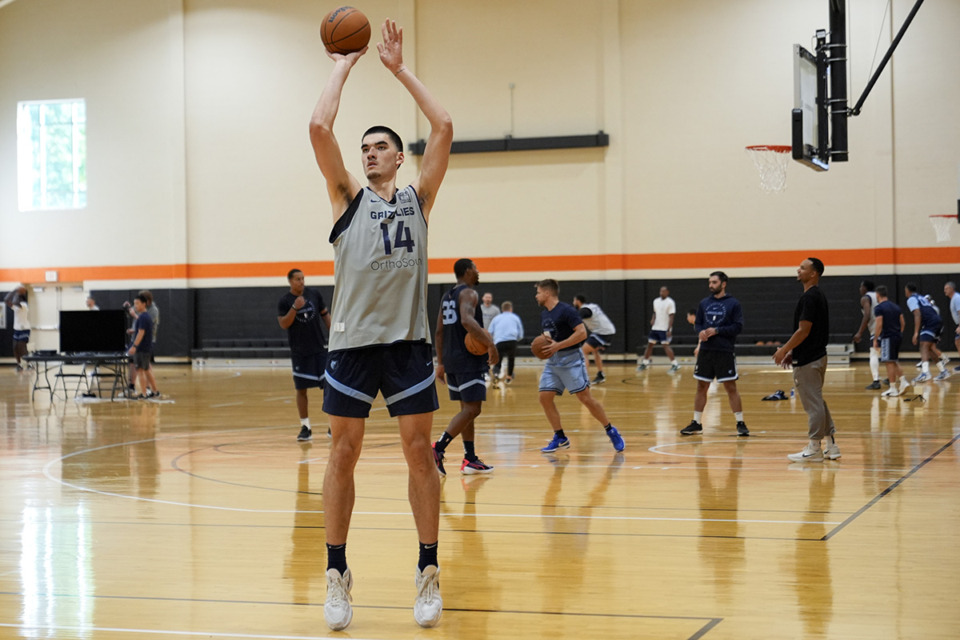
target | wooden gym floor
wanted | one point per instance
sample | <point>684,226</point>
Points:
<point>201,516</point>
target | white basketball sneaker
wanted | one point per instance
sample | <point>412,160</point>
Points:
<point>831,451</point>
<point>428,606</point>
<point>810,453</point>
<point>337,610</point>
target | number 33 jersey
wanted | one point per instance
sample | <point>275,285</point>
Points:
<point>380,272</point>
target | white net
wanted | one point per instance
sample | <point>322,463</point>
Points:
<point>771,163</point>
<point>942,225</point>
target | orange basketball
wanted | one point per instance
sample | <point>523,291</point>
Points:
<point>538,345</point>
<point>474,346</point>
<point>345,30</point>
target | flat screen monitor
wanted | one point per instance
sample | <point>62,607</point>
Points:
<point>93,331</point>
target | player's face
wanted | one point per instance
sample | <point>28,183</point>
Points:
<point>487,297</point>
<point>380,158</point>
<point>692,318</point>
<point>139,306</point>
<point>664,292</point>
<point>715,285</point>
<point>542,296</point>
<point>296,283</point>
<point>948,291</point>
<point>805,272</point>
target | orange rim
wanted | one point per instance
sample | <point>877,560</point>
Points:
<point>778,148</point>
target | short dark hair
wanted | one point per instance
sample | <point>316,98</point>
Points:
<point>142,298</point>
<point>691,312</point>
<point>882,290</point>
<point>292,273</point>
<point>460,266</point>
<point>817,265</point>
<point>911,287</point>
<point>868,285</point>
<point>550,284</point>
<point>147,295</point>
<point>721,275</point>
<point>394,138</point>
<point>582,299</point>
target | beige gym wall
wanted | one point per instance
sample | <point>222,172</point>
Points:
<point>201,174</point>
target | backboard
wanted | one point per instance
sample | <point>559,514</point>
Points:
<point>809,117</point>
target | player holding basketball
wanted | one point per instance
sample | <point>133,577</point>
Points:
<point>380,334</point>
<point>566,367</point>
<point>459,369</point>
<point>719,322</point>
<point>806,351</point>
<point>868,302</point>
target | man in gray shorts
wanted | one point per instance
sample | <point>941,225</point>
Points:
<point>379,334</point>
<point>141,350</point>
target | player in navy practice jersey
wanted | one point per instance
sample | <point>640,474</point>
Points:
<point>380,333</point>
<point>719,321</point>
<point>566,368</point>
<point>459,369</point>
<point>300,311</point>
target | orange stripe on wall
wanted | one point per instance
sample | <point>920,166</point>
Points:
<point>544,264</point>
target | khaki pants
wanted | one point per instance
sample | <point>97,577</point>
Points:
<point>808,381</point>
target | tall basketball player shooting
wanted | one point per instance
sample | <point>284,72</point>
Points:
<point>380,335</point>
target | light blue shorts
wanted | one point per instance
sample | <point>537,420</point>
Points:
<point>565,370</point>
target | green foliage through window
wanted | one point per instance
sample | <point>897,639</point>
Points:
<point>52,154</point>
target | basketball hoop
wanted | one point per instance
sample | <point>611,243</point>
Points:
<point>771,161</point>
<point>941,224</point>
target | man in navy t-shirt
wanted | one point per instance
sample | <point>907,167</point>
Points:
<point>300,311</point>
<point>887,337</point>
<point>718,323</point>
<point>566,367</point>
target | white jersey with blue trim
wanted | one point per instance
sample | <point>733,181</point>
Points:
<point>380,272</point>
<point>872,322</point>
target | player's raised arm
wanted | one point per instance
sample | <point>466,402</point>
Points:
<point>436,156</point>
<point>341,185</point>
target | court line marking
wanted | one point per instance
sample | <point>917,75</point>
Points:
<point>889,489</point>
<point>160,632</point>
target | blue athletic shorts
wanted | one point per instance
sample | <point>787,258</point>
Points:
<point>402,372</point>
<point>467,387</point>
<point>565,370</point>
<point>599,342</point>
<point>889,349</point>
<point>711,364</point>
<point>659,337</point>
<point>930,333</point>
<point>21,335</point>
<point>308,370</point>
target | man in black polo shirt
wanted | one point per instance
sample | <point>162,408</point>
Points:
<point>300,311</point>
<point>806,350</point>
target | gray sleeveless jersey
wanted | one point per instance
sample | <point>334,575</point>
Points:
<point>872,322</point>
<point>380,272</point>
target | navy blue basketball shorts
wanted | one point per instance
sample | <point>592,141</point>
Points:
<point>467,387</point>
<point>402,372</point>
<point>308,370</point>
<point>721,365</point>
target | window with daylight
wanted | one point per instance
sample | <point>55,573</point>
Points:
<point>52,154</point>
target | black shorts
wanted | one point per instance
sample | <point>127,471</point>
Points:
<point>889,349</point>
<point>721,365</point>
<point>467,387</point>
<point>141,360</point>
<point>597,341</point>
<point>308,370</point>
<point>402,372</point>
